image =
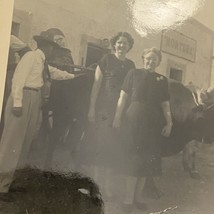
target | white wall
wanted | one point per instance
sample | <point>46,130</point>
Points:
<point>100,19</point>
<point>104,18</point>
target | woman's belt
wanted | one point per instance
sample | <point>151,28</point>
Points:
<point>32,89</point>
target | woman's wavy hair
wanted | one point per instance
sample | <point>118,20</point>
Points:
<point>153,50</point>
<point>122,34</point>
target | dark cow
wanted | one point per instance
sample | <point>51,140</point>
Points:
<point>187,117</point>
<point>68,102</point>
<point>191,123</point>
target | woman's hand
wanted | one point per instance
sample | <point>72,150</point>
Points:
<point>73,76</point>
<point>119,110</point>
<point>166,131</point>
<point>116,123</point>
<point>91,115</point>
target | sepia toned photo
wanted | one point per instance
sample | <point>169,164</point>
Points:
<point>107,107</point>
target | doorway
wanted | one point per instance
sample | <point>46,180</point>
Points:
<point>94,54</point>
<point>176,70</point>
<point>15,29</point>
<point>91,50</point>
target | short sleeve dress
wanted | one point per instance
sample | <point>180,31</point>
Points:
<point>101,139</point>
<point>143,149</point>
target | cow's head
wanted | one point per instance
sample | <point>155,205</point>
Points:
<point>183,103</point>
<point>207,124</point>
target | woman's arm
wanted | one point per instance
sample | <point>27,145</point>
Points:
<point>167,115</point>
<point>94,93</point>
<point>120,109</point>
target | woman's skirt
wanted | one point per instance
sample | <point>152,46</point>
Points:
<point>142,150</point>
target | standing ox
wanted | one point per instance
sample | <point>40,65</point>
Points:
<point>187,119</point>
<point>192,123</point>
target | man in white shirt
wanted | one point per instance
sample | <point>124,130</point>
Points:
<point>23,107</point>
<point>16,50</point>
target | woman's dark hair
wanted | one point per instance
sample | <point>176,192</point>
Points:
<point>122,34</point>
<point>153,50</point>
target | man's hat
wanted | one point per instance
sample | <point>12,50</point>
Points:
<point>53,32</point>
<point>45,37</point>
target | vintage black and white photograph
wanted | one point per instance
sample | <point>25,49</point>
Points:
<point>108,108</point>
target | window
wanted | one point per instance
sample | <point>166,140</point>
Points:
<point>92,50</point>
<point>15,29</point>
<point>176,74</point>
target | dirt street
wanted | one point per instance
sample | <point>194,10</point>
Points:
<point>180,193</point>
<point>184,194</point>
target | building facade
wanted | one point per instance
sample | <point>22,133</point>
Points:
<point>88,26</point>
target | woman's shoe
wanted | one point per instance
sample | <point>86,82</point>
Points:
<point>151,190</point>
<point>141,206</point>
<point>127,208</point>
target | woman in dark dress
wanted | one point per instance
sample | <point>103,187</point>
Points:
<point>149,119</point>
<point>109,76</point>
